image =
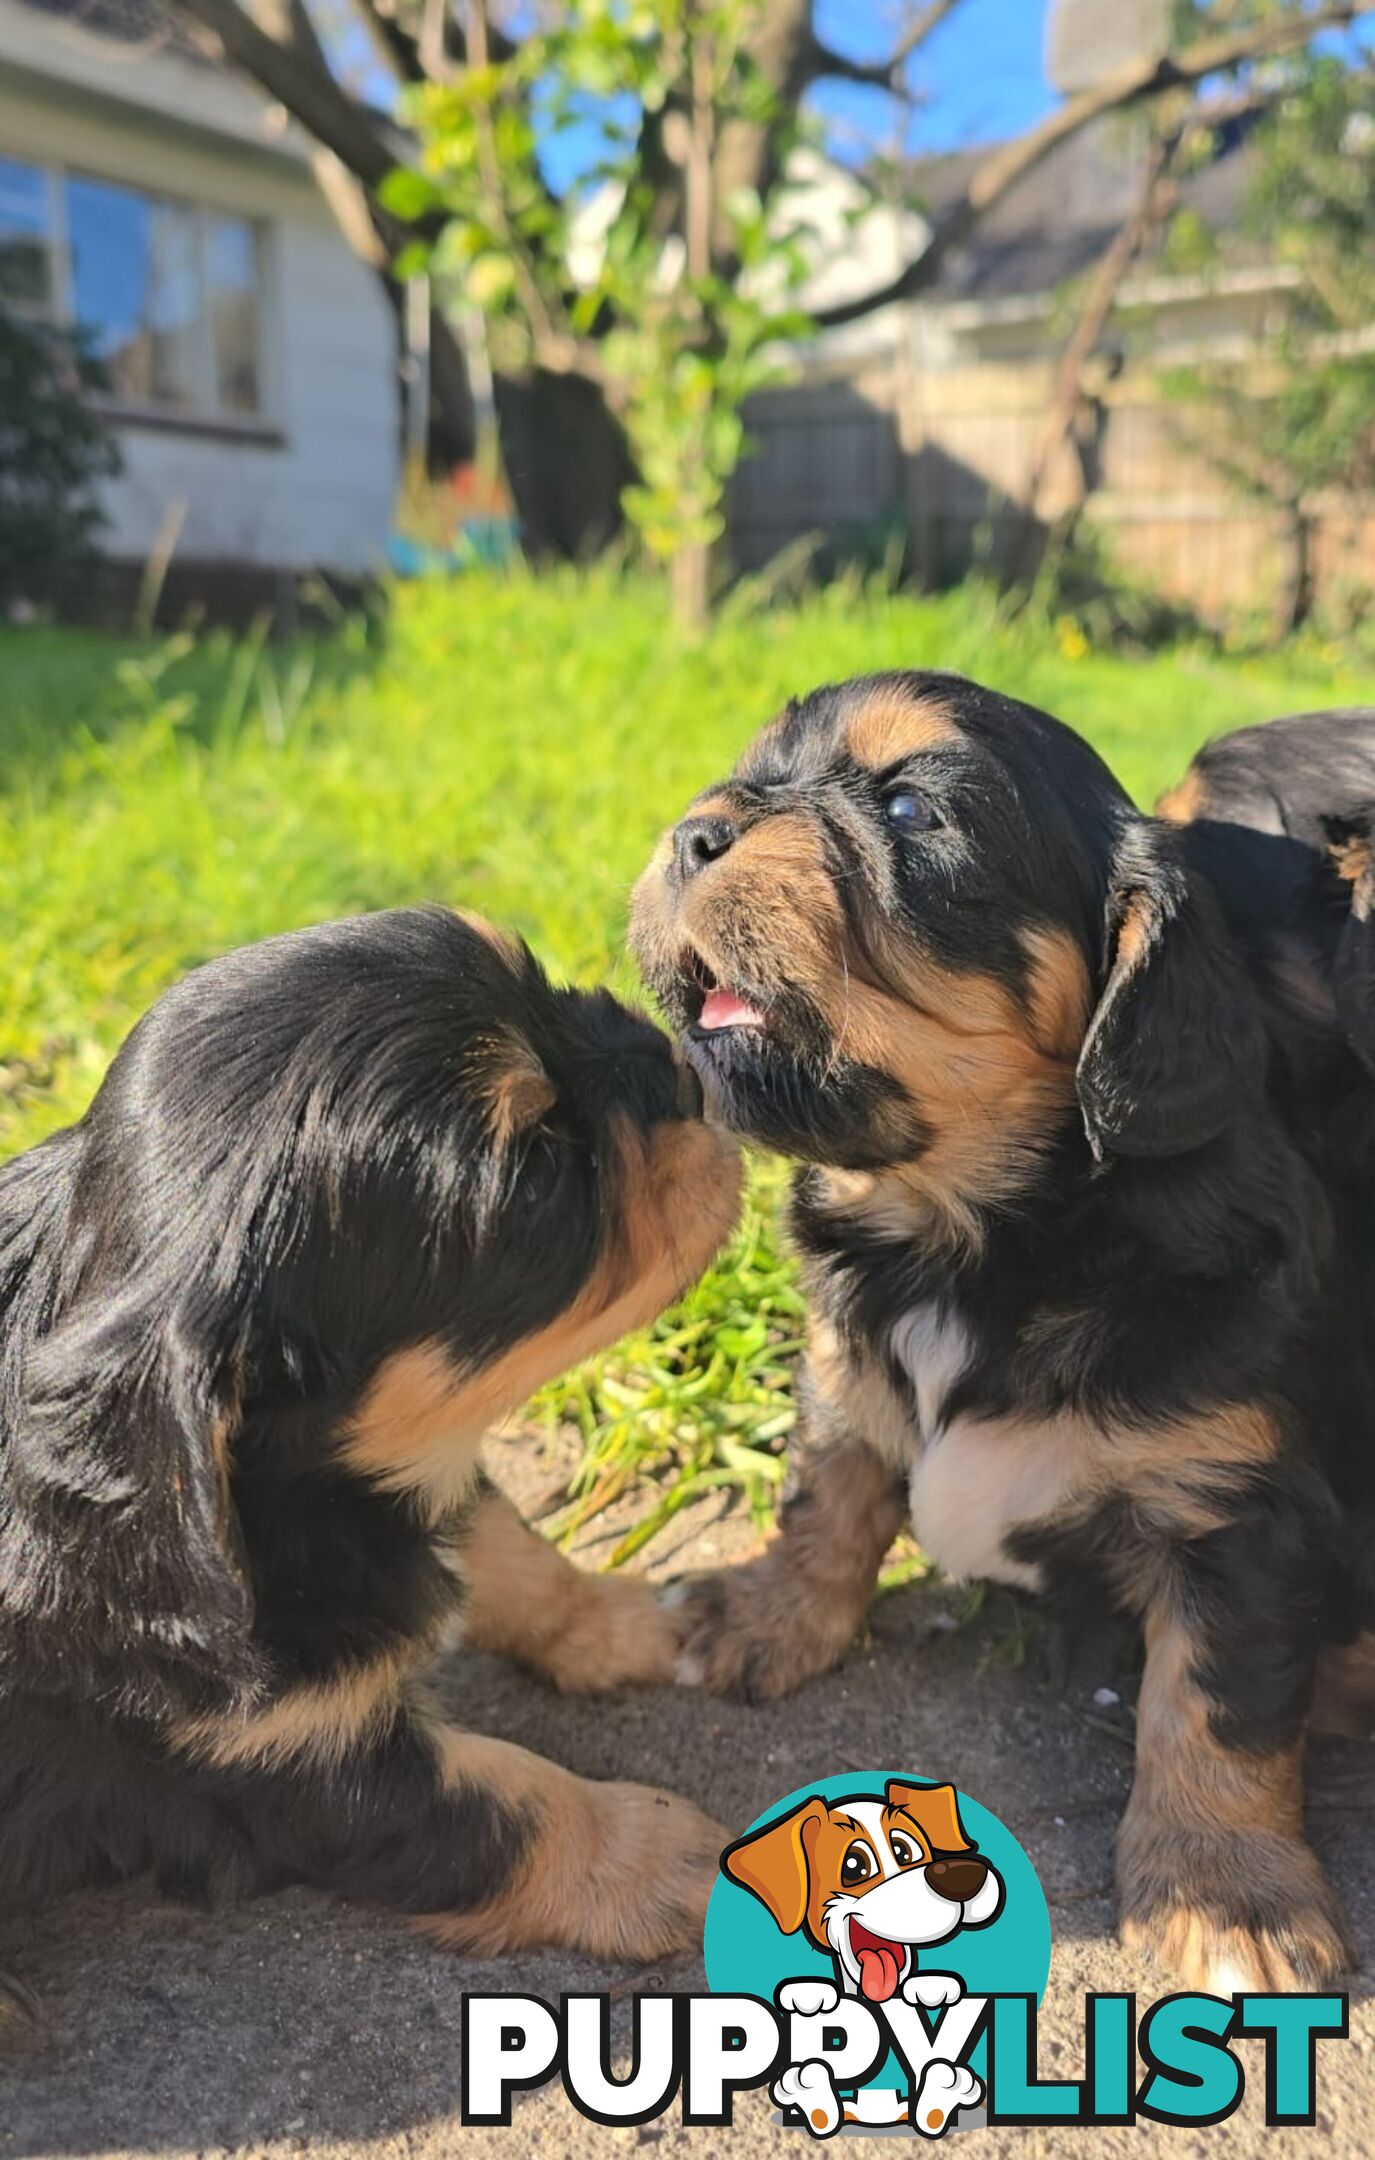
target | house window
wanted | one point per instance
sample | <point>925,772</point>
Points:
<point>25,237</point>
<point>170,294</point>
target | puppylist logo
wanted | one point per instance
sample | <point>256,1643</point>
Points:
<point>876,1947</point>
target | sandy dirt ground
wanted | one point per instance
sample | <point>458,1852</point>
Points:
<point>297,2025</point>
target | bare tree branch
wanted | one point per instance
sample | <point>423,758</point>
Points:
<point>1153,203</point>
<point>396,33</point>
<point>354,155</point>
<point>823,61</point>
<point>1127,85</point>
<point>306,88</point>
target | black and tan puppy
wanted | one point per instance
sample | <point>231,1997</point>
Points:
<point>1088,1228</point>
<point>342,1201</point>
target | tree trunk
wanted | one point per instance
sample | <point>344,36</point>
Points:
<point>566,463</point>
<point>1294,601</point>
<point>690,586</point>
<point>1100,300</point>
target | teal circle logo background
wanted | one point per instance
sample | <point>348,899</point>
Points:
<point>747,1955</point>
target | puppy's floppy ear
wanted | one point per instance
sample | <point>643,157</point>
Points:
<point>1351,847</point>
<point>120,1476</point>
<point>935,1809</point>
<point>772,1863</point>
<point>1176,1045</point>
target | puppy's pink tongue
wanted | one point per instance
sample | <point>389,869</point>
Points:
<point>724,1009</point>
<point>878,1973</point>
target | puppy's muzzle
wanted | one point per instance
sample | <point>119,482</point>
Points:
<point>959,1879</point>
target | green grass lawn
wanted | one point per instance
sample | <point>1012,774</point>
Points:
<point>512,745</point>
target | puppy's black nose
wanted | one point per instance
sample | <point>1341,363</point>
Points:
<point>698,841</point>
<point>959,1879</point>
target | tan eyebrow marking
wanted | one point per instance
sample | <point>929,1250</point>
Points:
<point>888,726</point>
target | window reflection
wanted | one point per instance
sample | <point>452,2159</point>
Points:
<point>170,293</point>
<point>136,287</point>
<point>25,235</point>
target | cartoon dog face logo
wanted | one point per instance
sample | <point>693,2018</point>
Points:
<point>871,1879</point>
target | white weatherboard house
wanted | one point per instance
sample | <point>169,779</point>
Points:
<point>251,357</point>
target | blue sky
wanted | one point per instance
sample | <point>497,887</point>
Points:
<point>979,76</point>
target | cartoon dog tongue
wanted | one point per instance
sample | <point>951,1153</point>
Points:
<point>880,1963</point>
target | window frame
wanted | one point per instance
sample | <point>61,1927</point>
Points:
<point>205,414</point>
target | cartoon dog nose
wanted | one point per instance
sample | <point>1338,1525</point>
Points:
<point>959,1880</point>
<point>699,841</point>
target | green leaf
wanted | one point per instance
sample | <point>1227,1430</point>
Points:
<point>409,194</point>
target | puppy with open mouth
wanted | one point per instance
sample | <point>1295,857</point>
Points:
<point>871,1879</point>
<point>875,1880</point>
<point>1086,1117</point>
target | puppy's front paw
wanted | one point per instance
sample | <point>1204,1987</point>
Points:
<point>807,1998</point>
<point>932,1990</point>
<point>617,1635</point>
<point>617,1871</point>
<point>945,2088</point>
<point>751,1631</point>
<point>654,1871</point>
<point>1228,1914</point>
<point>808,2088</point>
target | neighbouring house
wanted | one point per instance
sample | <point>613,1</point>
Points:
<point>923,424</point>
<point>252,361</point>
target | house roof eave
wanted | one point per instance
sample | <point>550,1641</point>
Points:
<point>82,69</point>
<point>1154,291</point>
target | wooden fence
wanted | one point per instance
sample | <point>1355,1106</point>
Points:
<point>943,460</point>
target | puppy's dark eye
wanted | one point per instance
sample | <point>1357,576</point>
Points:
<point>903,1851</point>
<point>909,812</point>
<point>858,1864</point>
<point>541,1171</point>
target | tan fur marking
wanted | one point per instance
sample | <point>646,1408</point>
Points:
<point>989,1098</point>
<point>1134,933</point>
<point>848,1390</point>
<point>523,1599</point>
<point>1211,1832</point>
<point>618,1871</point>
<point>519,1093</point>
<point>1352,860</point>
<point>1184,802</point>
<point>718,805</point>
<point>1060,995</point>
<point>321,1722</point>
<point>422,1420</point>
<point>887,727</point>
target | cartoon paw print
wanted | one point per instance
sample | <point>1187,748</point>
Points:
<point>945,2088</point>
<point>808,2088</point>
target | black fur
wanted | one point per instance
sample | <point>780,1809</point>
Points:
<point>296,1167</point>
<point>1192,1238</point>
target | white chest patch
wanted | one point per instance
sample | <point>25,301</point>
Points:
<point>932,1347</point>
<point>978,1483</point>
<point>974,1481</point>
